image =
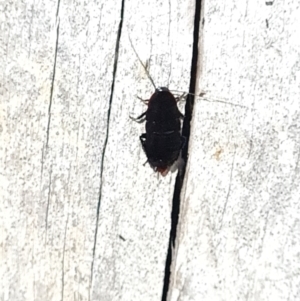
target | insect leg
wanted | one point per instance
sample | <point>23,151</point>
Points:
<point>139,119</point>
<point>183,95</point>
<point>145,101</point>
<point>143,141</point>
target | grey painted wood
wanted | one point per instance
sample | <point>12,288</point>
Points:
<point>81,218</point>
<point>239,232</point>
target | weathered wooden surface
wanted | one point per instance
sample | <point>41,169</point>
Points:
<point>68,147</point>
<point>239,231</point>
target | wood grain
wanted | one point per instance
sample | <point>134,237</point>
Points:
<point>238,235</point>
<point>81,218</point>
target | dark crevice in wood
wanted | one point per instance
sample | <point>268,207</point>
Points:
<point>186,133</point>
<point>53,74</point>
<point>106,139</point>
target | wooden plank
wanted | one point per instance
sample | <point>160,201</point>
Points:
<point>57,68</point>
<point>238,233</point>
<point>27,58</point>
<point>81,218</point>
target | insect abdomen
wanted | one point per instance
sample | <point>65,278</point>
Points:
<point>162,141</point>
<point>162,149</point>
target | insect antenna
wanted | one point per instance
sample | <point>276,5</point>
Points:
<point>186,93</point>
<point>201,95</point>
<point>147,72</point>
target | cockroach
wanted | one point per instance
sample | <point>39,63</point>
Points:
<point>162,141</point>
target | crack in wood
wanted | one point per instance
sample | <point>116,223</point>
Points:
<point>53,75</point>
<point>186,133</point>
<point>106,141</point>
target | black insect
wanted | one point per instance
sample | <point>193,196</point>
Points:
<point>162,141</point>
